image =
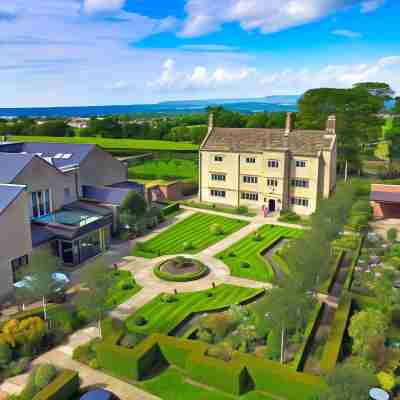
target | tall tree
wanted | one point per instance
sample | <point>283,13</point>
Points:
<point>93,299</point>
<point>379,89</point>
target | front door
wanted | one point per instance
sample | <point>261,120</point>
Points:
<point>271,205</point>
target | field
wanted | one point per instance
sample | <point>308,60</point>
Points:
<point>191,235</point>
<point>165,169</point>
<point>114,144</point>
<point>249,250</point>
<point>172,384</point>
<point>163,317</point>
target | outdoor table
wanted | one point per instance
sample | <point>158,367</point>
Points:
<point>378,394</point>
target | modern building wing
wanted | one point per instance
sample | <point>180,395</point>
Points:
<point>61,198</point>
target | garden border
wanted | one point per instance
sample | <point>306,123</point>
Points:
<point>204,270</point>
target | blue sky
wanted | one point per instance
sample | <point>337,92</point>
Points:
<point>94,52</point>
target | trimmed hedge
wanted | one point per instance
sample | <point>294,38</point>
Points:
<point>244,372</point>
<point>349,279</point>
<point>64,387</point>
<point>327,286</point>
<point>231,377</point>
<point>181,278</point>
<point>298,362</point>
<point>131,364</point>
<point>34,312</point>
<point>170,209</point>
<point>332,348</point>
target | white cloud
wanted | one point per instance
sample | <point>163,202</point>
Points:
<point>335,75</point>
<point>371,5</point>
<point>267,16</point>
<point>200,77</point>
<point>94,6</point>
<point>347,33</point>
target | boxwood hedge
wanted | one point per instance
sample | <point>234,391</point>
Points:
<point>64,387</point>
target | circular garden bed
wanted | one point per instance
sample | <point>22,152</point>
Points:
<point>181,269</point>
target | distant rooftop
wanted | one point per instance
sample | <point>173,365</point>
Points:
<point>61,155</point>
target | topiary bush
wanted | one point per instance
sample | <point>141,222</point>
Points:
<point>187,246</point>
<point>232,254</point>
<point>140,320</point>
<point>168,298</point>
<point>43,375</point>
<point>244,264</point>
<point>216,229</point>
<point>257,237</point>
<point>126,285</point>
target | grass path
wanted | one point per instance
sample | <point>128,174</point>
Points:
<point>164,317</point>
<point>249,250</point>
<point>194,230</point>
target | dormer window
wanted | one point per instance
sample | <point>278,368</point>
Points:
<point>218,158</point>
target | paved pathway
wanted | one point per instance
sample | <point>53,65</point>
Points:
<point>142,270</point>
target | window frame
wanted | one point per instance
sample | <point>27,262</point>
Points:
<point>300,183</point>
<point>273,163</point>
<point>301,163</point>
<point>250,160</point>
<point>272,182</point>
<point>215,176</point>
<point>250,196</point>
<point>218,158</point>
<point>218,193</point>
<point>250,179</point>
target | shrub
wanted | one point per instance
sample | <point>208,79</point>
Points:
<point>216,229</point>
<point>86,352</point>
<point>187,246</point>
<point>219,324</point>
<point>232,254</point>
<point>392,235</point>
<point>257,237</point>
<point>140,320</point>
<point>168,298</point>
<point>396,315</point>
<point>126,285</point>
<point>244,264</point>
<point>5,354</point>
<point>220,352</point>
<point>274,345</point>
<point>242,210</point>
<point>18,367</point>
<point>43,375</point>
<point>386,380</point>
<point>289,216</point>
<point>93,363</point>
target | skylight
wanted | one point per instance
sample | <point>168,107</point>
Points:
<point>59,155</point>
<point>66,156</point>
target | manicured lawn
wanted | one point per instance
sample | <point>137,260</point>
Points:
<point>194,230</point>
<point>249,250</point>
<point>165,169</point>
<point>163,317</point>
<point>114,144</point>
<point>119,294</point>
<point>172,384</point>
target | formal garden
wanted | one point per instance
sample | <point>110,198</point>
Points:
<point>329,324</point>
<point>189,236</point>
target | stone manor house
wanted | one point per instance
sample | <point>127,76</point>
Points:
<point>273,169</point>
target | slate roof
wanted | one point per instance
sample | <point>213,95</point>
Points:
<point>257,140</point>
<point>8,193</point>
<point>12,164</point>
<point>77,152</point>
<point>385,193</point>
<point>103,194</point>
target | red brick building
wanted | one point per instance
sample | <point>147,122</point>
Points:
<point>385,201</point>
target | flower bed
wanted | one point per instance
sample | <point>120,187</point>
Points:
<point>181,270</point>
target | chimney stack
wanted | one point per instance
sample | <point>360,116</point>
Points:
<point>289,126</point>
<point>210,122</point>
<point>331,125</point>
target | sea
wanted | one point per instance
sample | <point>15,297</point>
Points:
<point>247,106</point>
